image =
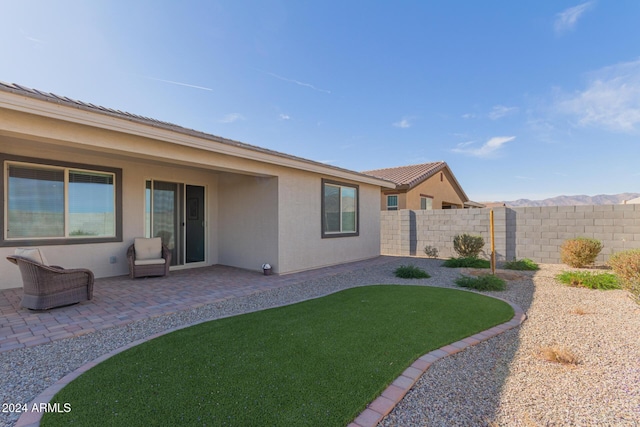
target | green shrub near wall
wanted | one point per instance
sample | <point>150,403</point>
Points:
<point>580,252</point>
<point>468,246</point>
<point>626,265</point>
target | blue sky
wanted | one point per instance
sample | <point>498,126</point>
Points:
<point>523,99</point>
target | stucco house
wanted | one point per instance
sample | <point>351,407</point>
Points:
<point>82,181</point>
<point>422,186</point>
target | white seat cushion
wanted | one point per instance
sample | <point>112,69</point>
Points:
<point>34,254</point>
<point>148,248</point>
<point>149,261</point>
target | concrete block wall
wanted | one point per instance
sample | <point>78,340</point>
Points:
<point>413,230</point>
<point>530,232</point>
<point>540,231</point>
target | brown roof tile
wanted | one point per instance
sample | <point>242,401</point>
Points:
<point>412,175</point>
<point>408,175</point>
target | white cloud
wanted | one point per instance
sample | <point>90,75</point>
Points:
<point>611,99</point>
<point>465,144</point>
<point>179,84</point>
<point>284,117</point>
<point>567,19</point>
<point>499,111</point>
<point>299,83</point>
<point>486,150</point>
<point>404,123</point>
<point>230,118</point>
<point>469,116</point>
<point>31,38</point>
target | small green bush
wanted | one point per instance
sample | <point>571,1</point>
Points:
<point>586,279</point>
<point>580,252</point>
<point>468,246</point>
<point>627,266</point>
<point>411,272</point>
<point>431,252</point>
<point>522,264</point>
<point>482,283</point>
<point>467,262</point>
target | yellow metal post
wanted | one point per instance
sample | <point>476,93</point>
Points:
<point>493,244</point>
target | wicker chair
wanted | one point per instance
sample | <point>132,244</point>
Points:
<point>47,286</point>
<point>148,257</point>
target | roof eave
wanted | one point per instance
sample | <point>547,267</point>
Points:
<point>34,102</point>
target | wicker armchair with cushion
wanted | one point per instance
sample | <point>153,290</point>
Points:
<point>148,257</point>
<point>49,286</point>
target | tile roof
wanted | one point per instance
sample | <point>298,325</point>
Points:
<point>410,175</point>
<point>63,100</point>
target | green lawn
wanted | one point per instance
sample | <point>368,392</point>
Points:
<point>317,362</point>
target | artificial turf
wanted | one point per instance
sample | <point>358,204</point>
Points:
<point>317,362</point>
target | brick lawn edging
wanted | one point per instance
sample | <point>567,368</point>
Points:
<point>384,404</point>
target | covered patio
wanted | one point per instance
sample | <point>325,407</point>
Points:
<point>118,301</point>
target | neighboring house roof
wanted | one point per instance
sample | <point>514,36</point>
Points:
<point>635,201</point>
<point>407,177</point>
<point>233,147</point>
<point>495,204</point>
<point>472,204</point>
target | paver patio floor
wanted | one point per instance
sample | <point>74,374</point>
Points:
<point>121,300</point>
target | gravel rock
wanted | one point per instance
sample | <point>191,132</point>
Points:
<point>506,382</point>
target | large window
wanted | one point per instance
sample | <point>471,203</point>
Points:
<point>339,209</point>
<point>59,202</point>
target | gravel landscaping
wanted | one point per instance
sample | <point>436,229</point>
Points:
<point>506,382</point>
<point>503,381</point>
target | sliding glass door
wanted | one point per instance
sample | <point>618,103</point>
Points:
<point>175,212</point>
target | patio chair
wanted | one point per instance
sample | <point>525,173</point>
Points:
<point>50,286</point>
<point>148,257</point>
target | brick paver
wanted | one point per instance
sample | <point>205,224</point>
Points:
<point>121,300</point>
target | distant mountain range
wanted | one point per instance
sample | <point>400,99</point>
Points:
<point>600,199</point>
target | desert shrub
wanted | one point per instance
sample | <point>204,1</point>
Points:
<point>522,264</point>
<point>431,252</point>
<point>627,266</point>
<point>559,355</point>
<point>411,272</point>
<point>467,262</point>
<point>580,252</point>
<point>586,279</point>
<point>468,246</point>
<point>482,283</point>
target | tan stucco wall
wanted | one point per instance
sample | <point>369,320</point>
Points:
<point>278,220</point>
<point>256,211</point>
<point>247,232</point>
<point>300,216</point>
<point>402,198</point>
<point>442,192</point>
